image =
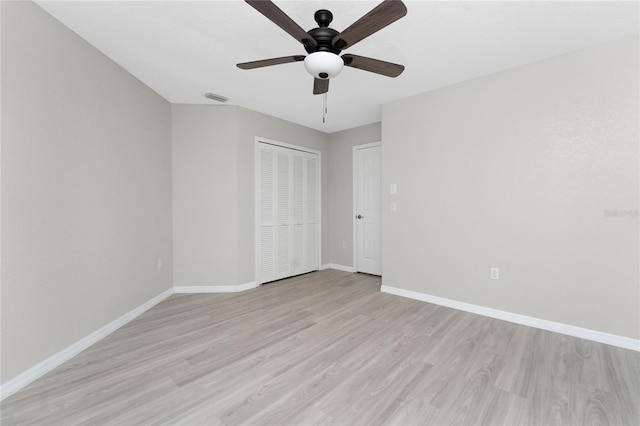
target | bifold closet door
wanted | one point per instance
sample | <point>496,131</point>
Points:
<point>312,212</point>
<point>283,221</point>
<point>297,214</point>
<point>266,214</point>
<point>288,213</point>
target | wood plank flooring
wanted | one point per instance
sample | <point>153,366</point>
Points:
<point>329,348</point>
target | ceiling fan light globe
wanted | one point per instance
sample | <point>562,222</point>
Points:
<point>323,65</point>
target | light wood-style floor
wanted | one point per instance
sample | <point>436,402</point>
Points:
<point>329,348</point>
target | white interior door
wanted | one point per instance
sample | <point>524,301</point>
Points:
<point>367,194</point>
<point>298,213</point>
<point>283,207</point>
<point>312,212</point>
<point>266,218</point>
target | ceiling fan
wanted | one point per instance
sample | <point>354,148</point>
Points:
<point>324,44</point>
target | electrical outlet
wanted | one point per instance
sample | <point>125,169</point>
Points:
<point>495,273</point>
<point>393,188</point>
<point>160,264</point>
<point>344,244</point>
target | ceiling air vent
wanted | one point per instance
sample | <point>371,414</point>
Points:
<point>216,97</point>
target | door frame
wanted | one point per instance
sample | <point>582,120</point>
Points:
<point>256,197</point>
<point>355,212</point>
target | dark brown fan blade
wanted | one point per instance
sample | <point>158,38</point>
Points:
<point>320,86</point>
<point>281,19</point>
<point>373,65</point>
<point>379,17</point>
<point>269,62</point>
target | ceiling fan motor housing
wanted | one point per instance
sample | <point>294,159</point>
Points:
<point>323,35</point>
<point>323,61</point>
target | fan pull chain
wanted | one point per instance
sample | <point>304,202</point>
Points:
<point>324,108</point>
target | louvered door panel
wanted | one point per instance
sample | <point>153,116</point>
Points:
<point>288,213</point>
<point>267,241</point>
<point>284,184</point>
<point>298,250</point>
<point>298,262</point>
<point>283,261</point>
<point>311,212</point>
<point>298,186</point>
<point>267,253</point>
<point>311,205</point>
<point>311,246</point>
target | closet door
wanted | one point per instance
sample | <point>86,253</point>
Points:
<point>288,212</point>
<point>267,213</point>
<point>298,261</point>
<point>312,213</point>
<point>283,214</point>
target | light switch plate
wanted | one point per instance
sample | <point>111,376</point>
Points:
<point>495,274</point>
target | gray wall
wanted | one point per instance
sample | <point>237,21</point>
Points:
<point>520,170</point>
<point>340,178</point>
<point>213,184</point>
<point>204,195</point>
<point>86,189</point>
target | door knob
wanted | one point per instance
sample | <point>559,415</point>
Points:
<point>359,216</point>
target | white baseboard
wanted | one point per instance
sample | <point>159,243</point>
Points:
<point>215,288</point>
<point>570,330</point>
<point>39,370</point>
<point>338,267</point>
<point>12,386</point>
<point>20,381</point>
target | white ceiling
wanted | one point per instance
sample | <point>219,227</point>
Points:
<point>184,49</point>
